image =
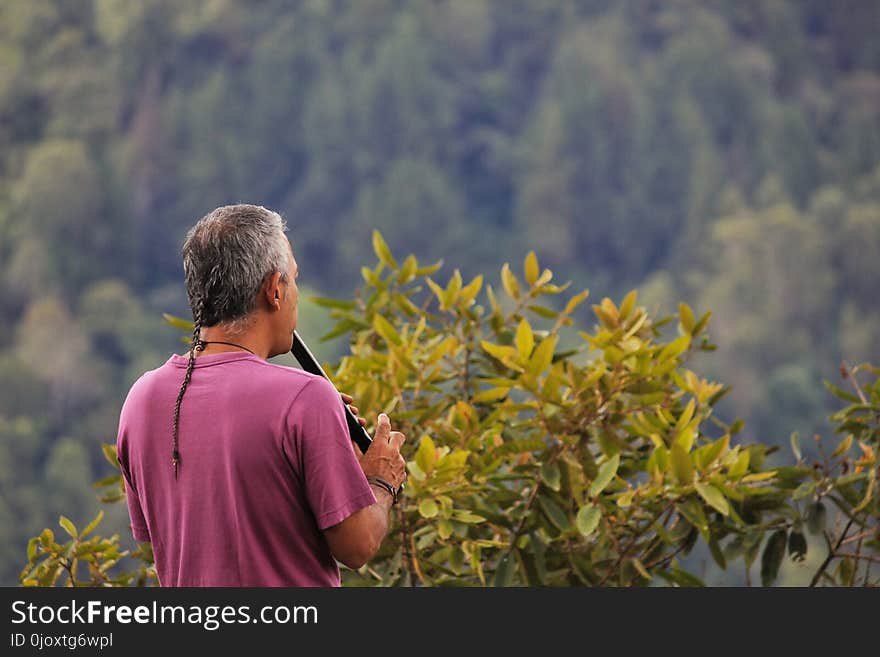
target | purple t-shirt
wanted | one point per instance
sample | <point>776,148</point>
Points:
<point>266,464</point>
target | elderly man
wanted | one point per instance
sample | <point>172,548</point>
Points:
<point>240,472</point>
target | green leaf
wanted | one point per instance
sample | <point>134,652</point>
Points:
<point>382,251</point>
<point>327,302</point>
<point>714,497</point>
<point>505,570</point>
<point>682,467</point>
<point>525,339</point>
<point>701,324</point>
<point>551,476</point>
<point>795,442</point>
<point>797,546</point>
<point>606,473</point>
<point>428,508</point>
<point>32,548</point>
<point>444,529</point>
<point>772,556</point>
<point>588,518</point>
<point>530,268</point>
<point>841,393</point>
<point>804,490</point>
<point>554,514</point>
<point>68,526</point>
<point>816,515</point>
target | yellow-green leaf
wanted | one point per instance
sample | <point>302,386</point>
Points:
<point>525,339</point>
<point>542,357</point>
<point>109,451</point>
<point>681,464</point>
<point>576,300</point>
<point>177,322</point>
<point>588,518</point>
<point>408,270</point>
<point>714,497</point>
<point>530,268</point>
<point>844,446</point>
<point>508,280</point>
<point>438,292</point>
<point>551,476</point>
<point>444,529</point>
<point>491,395</point>
<point>686,415</point>
<point>382,251</point>
<point>472,289</point>
<point>686,317</point>
<point>384,328</point>
<point>94,523</point>
<point>628,303</point>
<point>68,526</point>
<point>428,508</point>
<point>426,454</point>
<point>606,473</point>
<point>640,567</point>
<point>759,476</point>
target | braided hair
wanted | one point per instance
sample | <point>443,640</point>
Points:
<point>196,345</point>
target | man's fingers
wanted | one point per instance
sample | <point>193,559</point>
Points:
<point>383,428</point>
<point>348,399</point>
<point>396,439</point>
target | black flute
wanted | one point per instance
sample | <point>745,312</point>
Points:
<point>310,364</point>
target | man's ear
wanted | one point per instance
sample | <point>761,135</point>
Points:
<point>272,292</point>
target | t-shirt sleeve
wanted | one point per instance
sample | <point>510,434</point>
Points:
<point>135,512</point>
<point>335,485</point>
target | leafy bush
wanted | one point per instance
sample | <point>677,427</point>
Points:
<point>542,455</point>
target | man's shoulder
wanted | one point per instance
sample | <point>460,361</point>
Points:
<point>287,375</point>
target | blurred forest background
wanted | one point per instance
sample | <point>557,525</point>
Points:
<point>722,153</point>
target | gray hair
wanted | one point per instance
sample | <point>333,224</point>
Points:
<point>226,256</point>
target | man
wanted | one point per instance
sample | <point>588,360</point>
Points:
<point>241,472</point>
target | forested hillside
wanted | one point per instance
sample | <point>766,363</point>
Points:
<point>722,153</point>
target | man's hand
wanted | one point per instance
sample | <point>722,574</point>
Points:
<point>383,458</point>
<point>355,540</point>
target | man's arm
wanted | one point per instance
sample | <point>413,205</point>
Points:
<point>355,540</point>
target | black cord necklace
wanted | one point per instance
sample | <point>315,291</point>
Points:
<point>201,344</point>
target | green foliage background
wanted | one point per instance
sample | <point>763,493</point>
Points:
<point>725,154</point>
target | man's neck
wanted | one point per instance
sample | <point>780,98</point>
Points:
<point>251,340</point>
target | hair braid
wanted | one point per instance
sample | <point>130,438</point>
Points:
<point>195,346</point>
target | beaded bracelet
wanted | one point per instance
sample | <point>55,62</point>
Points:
<point>381,483</point>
